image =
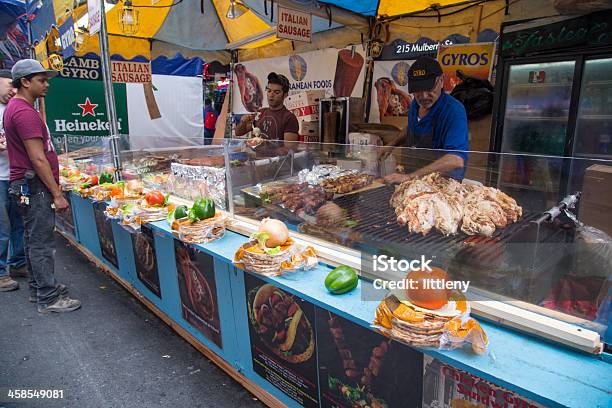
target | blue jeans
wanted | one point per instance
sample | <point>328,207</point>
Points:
<point>39,238</point>
<point>11,232</point>
<point>208,136</point>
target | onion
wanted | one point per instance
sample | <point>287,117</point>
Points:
<point>135,186</point>
<point>330,214</point>
<point>425,296</point>
<point>276,230</point>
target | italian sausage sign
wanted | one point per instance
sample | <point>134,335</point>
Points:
<point>294,25</point>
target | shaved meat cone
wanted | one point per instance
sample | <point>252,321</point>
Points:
<point>437,202</point>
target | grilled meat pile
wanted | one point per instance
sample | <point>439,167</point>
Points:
<point>296,197</point>
<point>434,201</point>
<point>346,183</point>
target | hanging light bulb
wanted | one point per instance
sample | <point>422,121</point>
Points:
<point>128,18</point>
<point>55,62</point>
<point>236,9</point>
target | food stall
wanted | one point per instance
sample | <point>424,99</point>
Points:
<point>270,318</point>
<point>273,260</point>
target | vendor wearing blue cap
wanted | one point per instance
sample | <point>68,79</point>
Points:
<point>437,121</point>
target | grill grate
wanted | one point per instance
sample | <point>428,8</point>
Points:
<point>377,221</point>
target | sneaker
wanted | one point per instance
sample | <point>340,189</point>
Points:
<point>21,272</point>
<point>7,284</point>
<point>63,292</point>
<point>61,305</point>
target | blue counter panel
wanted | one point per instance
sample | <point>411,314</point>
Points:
<point>546,373</point>
<point>65,221</point>
<point>123,243</point>
<point>171,300</point>
<point>84,218</point>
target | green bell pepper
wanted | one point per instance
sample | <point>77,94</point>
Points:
<point>341,280</point>
<point>181,211</point>
<point>203,208</point>
<point>106,178</point>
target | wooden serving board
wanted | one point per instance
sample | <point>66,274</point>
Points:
<point>375,184</point>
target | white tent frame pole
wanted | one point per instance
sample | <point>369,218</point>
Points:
<point>109,93</point>
<point>31,50</point>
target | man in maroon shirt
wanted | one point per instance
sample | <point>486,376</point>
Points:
<point>275,122</point>
<point>34,184</point>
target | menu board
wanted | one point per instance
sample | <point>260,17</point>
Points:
<point>283,343</point>
<point>361,368</point>
<point>447,386</point>
<point>145,258</point>
<point>105,234</point>
<point>64,219</point>
<point>198,290</point>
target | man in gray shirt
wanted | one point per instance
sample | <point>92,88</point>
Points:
<point>11,224</point>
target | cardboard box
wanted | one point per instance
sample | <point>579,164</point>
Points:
<point>398,121</point>
<point>308,113</point>
<point>303,99</point>
<point>309,131</point>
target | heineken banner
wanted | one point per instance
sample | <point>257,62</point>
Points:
<point>76,108</point>
<point>149,113</point>
<point>339,72</point>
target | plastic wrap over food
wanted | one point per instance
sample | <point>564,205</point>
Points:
<point>463,330</point>
<point>191,182</point>
<point>97,193</point>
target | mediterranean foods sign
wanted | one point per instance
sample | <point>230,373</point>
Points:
<point>294,25</point>
<point>338,72</point>
<point>131,72</point>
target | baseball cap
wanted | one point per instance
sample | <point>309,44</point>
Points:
<point>27,67</point>
<point>423,73</point>
<point>6,73</point>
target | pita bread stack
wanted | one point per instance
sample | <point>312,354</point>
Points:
<point>253,258</point>
<point>411,324</point>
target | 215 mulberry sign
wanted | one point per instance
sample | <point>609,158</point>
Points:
<point>294,25</point>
